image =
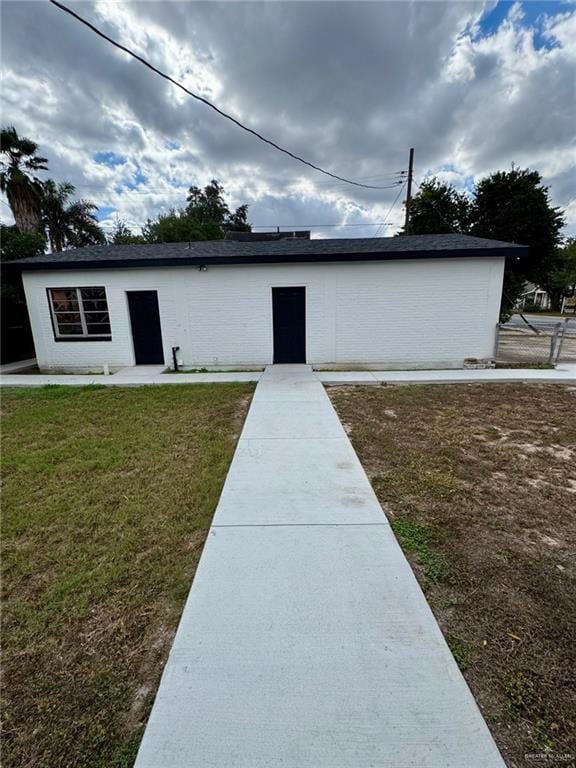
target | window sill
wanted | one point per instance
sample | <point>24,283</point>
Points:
<point>84,338</point>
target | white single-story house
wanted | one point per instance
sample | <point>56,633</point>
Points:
<point>422,301</point>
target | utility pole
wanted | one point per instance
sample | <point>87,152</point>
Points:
<point>409,192</point>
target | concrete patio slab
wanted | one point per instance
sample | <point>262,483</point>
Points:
<point>306,641</point>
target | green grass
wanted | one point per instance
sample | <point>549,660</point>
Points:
<point>108,494</point>
<point>419,539</point>
<point>526,701</point>
<point>460,650</point>
<point>420,474</point>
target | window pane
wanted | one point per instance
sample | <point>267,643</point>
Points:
<point>93,293</point>
<point>89,318</point>
<point>68,318</point>
<point>94,305</point>
<point>70,330</point>
<point>96,311</point>
<point>97,317</point>
<point>64,300</point>
<point>98,329</point>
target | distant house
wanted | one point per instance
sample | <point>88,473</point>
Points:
<point>404,302</point>
<point>534,296</point>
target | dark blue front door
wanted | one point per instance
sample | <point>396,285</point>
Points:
<point>289,318</point>
<point>146,330</point>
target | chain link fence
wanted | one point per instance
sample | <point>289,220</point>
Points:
<point>528,347</point>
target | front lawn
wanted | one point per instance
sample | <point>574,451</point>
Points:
<point>108,495</point>
<point>479,483</point>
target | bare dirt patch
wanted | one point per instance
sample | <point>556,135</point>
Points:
<point>478,482</point>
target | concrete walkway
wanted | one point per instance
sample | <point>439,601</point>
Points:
<point>153,374</point>
<point>137,376</point>
<point>564,373</point>
<point>306,641</point>
<point>17,365</point>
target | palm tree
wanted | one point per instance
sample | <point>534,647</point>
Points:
<point>23,189</point>
<point>69,224</point>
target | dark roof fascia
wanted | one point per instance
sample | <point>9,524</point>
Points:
<point>192,261</point>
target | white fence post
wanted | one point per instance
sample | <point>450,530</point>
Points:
<point>562,333</point>
<point>552,357</point>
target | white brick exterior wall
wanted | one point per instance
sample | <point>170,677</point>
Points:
<point>391,314</point>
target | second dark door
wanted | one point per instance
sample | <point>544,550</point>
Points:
<point>289,318</point>
<point>146,330</point>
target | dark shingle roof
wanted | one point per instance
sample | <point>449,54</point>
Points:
<point>291,250</point>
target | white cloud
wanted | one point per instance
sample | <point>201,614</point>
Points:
<point>350,86</point>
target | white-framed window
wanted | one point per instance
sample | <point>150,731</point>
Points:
<point>79,313</point>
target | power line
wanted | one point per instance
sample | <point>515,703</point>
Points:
<point>409,191</point>
<point>206,102</point>
<point>437,211</point>
<point>385,222</point>
<point>315,226</point>
<point>283,226</point>
<point>333,186</point>
<point>393,180</point>
<point>389,180</point>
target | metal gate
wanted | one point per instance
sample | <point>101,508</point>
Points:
<point>528,347</point>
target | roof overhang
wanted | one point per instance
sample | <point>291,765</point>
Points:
<point>197,261</point>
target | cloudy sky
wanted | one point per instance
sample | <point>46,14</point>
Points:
<point>350,86</point>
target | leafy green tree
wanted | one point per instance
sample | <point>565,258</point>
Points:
<point>69,224</point>
<point>18,165</point>
<point>438,209</point>
<point>123,235</point>
<point>206,217</point>
<point>19,245</point>
<point>238,220</point>
<point>208,206</point>
<point>558,274</point>
<point>514,206</point>
<point>179,227</point>
<point>15,325</point>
